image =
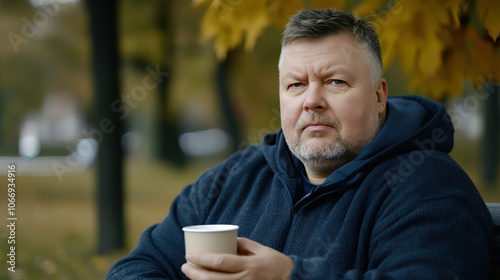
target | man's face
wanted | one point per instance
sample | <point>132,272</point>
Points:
<point>330,108</point>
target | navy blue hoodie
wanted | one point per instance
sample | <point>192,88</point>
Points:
<point>403,209</point>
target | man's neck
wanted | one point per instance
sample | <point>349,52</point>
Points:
<point>317,177</point>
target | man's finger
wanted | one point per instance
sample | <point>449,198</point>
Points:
<point>193,272</point>
<point>247,246</point>
<point>220,262</point>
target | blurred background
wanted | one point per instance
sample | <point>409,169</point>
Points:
<point>100,156</point>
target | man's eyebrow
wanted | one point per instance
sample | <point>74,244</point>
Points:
<point>293,74</point>
<point>325,72</point>
<point>335,69</point>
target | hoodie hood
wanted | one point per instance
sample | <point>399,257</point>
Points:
<point>412,123</point>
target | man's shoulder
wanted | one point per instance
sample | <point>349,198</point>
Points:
<point>246,159</point>
<point>426,174</point>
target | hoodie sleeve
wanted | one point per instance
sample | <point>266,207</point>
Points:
<point>160,252</point>
<point>427,239</point>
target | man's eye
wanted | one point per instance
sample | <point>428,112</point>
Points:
<point>338,82</point>
<point>295,85</point>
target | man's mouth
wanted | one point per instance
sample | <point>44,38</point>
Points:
<point>317,126</point>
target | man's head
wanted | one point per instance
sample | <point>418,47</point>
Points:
<point>317,24</point>
<point>332,94</point>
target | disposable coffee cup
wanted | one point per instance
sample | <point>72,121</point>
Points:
<point>217,238</point>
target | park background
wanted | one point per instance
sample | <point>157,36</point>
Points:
<point>184,109</point>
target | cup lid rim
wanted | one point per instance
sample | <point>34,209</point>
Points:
<point>210,228</point>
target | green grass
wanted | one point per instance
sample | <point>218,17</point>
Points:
<point>56,227</point>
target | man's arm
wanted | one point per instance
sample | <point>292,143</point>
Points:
<point>146,261</point>
<point>159,253</point>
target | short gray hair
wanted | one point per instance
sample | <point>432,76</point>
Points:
<point>315,24</point>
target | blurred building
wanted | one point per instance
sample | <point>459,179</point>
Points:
<point>55,127</point>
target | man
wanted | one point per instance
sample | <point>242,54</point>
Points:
<point>354,186</point>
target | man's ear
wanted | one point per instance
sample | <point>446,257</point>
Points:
<point>381,91</point>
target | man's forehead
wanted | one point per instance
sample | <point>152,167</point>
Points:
<point>339,48</point>
<point>333,43</point>
<point>342,44</point>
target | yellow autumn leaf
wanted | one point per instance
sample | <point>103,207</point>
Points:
<point>252,17</point>
<point>455,7</point>
<point>255,25</point>
<point>489,13</point>
<point>429,59</point>
<point>481,56</point>
<point>427,33</point>
<point>413,34</point>
<point>448,79</point>
<point>225,38</point>
<point>229,22</point>
<point>469,56</point>
<point>444,82</point>
<point>452,74</point>
<point>210,25</point>
<point>408,47</point>
<point>389,36</point>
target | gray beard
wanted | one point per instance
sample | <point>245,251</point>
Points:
<point>322,157</point>
<point>334,153</point>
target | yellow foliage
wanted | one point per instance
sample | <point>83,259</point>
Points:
<point>434,47</point>
<point>456,9</point>
<point>482,59</point>
<point>442,82</point>
<point>489,14</point>
<point>228,22</point>
<point>413,34</point>
<point>469,56</point>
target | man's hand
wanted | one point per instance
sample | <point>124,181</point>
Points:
<point>254,261</point>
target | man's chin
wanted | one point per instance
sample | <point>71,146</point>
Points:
<point>318,142</point>
<point>327,134</point>
<point>319,150</point>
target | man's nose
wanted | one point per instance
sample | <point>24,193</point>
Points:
<point>315,98</point>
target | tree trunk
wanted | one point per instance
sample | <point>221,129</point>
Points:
<point>229,115</point>
<point>108,125</point>
<point>167,130</point>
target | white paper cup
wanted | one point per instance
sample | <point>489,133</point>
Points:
<point>211,239</point>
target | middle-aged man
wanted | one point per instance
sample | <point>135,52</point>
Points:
<point>354,185</point>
